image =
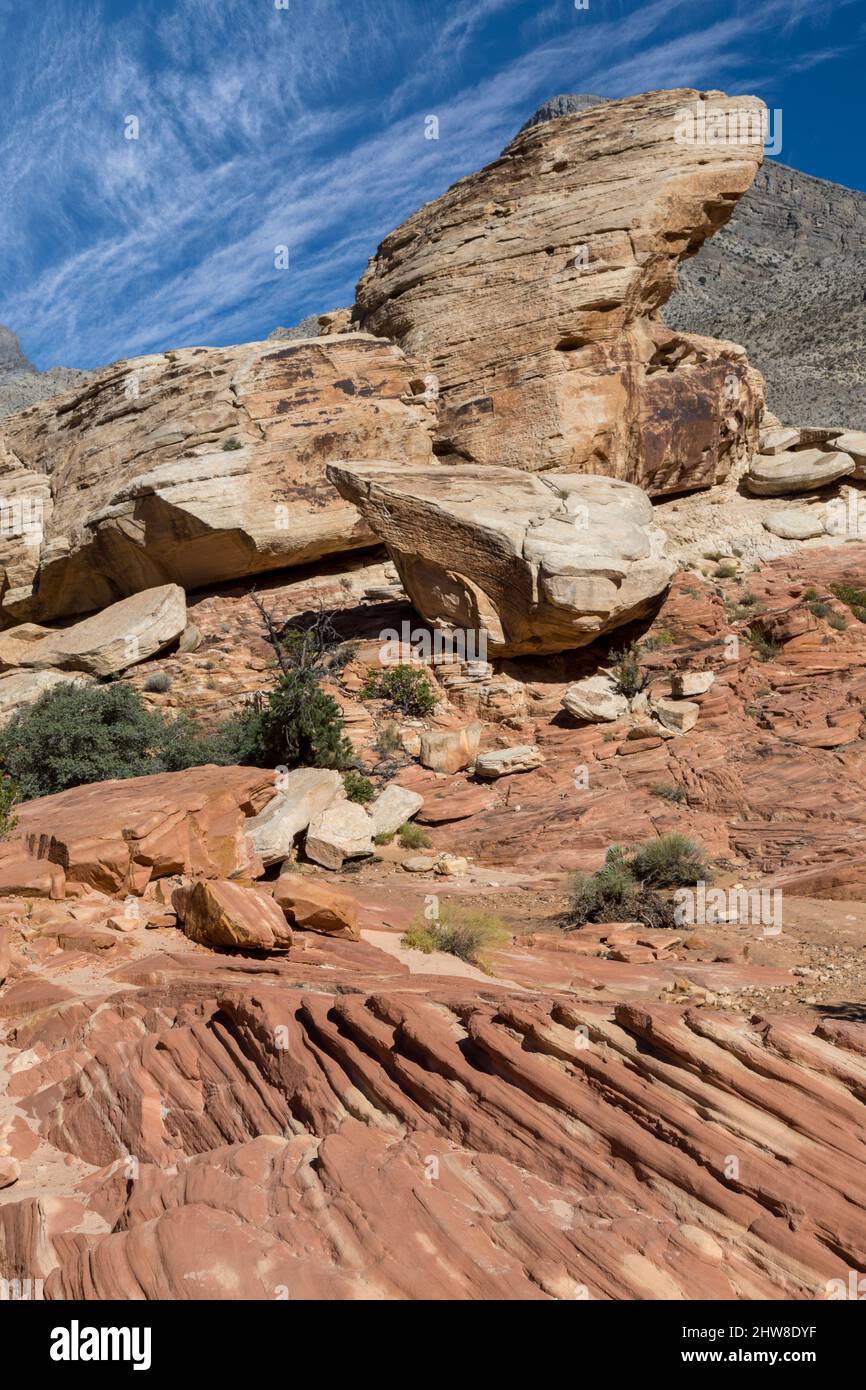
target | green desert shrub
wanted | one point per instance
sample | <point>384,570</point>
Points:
<point>413,837</point>
<point>296,724</point>
<point>658,640</point>
<point>614,894</point>
<point>158,683</point>
<point>358,787</point>
<point>407,688</point>
<point>75,734</point>
<point>671,861</point>
<point>389,744</point>
<point>461,931</point>
<point>764,647</point>
<point>384,837</point>
<point>668,791</point>
<point>626,888</point>
<point>628,678</point>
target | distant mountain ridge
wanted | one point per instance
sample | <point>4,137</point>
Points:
<point>21,384</point>
<point>786,278</point>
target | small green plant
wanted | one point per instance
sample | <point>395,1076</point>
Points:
<point>231,443</point>
<point>158,683</point>
<point>671,861</point>
<point>358,787</point>
<point>77,734</point>
<point>852,597</point>
<point>658,641</point>
<point>407,689</point>
<point>461,931</point>
<point>628,677</point>
<point>384,837</point>
<point>713,554</point>
<point>764,648</point>
<point>726,570</point>
<point>810,594</point>
<point>297,725</point>
<point>838,621</point>
<point>339,657</point>
<point>413,837</point>
<point>8,801</point>
<point>668,791</point>
<point>819,609</point>
<point>748,599</point>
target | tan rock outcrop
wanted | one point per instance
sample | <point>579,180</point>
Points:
<point>104,644</point>
<point>799,470</point>
<point>450,750</point>
<point>530,289</point>
<point>343,831</point>
<point>195,466</point>
<point>301,794</point>
<point>501,762</point>
<point>228,914</point>
<point>528,563</point>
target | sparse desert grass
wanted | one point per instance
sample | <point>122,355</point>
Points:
<point>668,791</point>
<point>461,931</point>
<point>413,837</point>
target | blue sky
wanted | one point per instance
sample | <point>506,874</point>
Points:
<point>304,126</point>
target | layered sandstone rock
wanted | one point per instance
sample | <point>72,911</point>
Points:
<point>798,470</point>
<point>195,466</point>
<point>105,644</point>
<point>301,795</point>
<point>530,289</point>
<point>317,907</point>
<point>532,564</point>
<point>221,913</point>
<point>295,1139</point>
<point>119,836</point>
<point>20,688</point>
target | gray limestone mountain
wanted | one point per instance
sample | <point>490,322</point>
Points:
<point>563,105</point>
<point>786,278</point>
<point>21,384</point>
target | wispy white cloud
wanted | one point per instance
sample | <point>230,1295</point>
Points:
<point>260,127</point>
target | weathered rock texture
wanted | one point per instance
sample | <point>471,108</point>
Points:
<point>534,564</point>
<point>118,836</point>
<point>196,466</point>
<point>784,277</point>
<point>385,1136</point>
<point>106,643</point>
<point>531,290</point>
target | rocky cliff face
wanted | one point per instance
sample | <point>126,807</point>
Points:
<point>531,291</point>
<point>786,278</point>
<point>194,467</point>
